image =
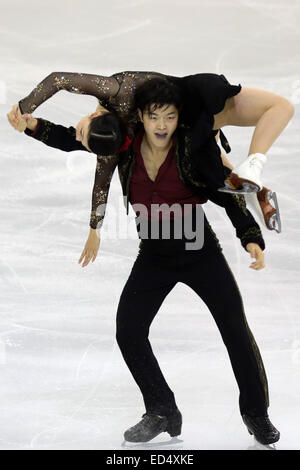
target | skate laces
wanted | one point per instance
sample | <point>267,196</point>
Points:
<point>261,157</point>
<point>255,162</point>
<point>265,424</point>
<point>145,420</point>
<point>149,416</point>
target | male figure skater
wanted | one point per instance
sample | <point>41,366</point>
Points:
<point>154,168</point>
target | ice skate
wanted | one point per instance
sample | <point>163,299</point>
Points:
<point>260,203</point>
<point>246,177</point>
<point>151,425</point>
<point>262,429</point>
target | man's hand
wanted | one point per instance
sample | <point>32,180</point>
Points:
<point>91,248</point>
<point>256,252</point>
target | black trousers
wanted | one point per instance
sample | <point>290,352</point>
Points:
<point>160,264</point>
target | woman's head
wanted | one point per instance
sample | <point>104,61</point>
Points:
<point>101,132</point>
<point>158,103</point>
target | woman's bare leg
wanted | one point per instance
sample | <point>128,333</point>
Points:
<point>226,162</point>
<point>260,202</point>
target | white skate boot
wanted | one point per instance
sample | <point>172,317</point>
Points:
<point>246,177</point>
<point>260,204</point>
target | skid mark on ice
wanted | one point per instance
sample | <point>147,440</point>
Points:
<point>288,312</point>
<point>22,38</point>
<point>102,37</point>
<point>54,431</point>
<point>268,10</point>
<point>39,226</point>
<point>16,278</point>
<point>83,357</point>
<point>52,332</point>
<point>48,435</point>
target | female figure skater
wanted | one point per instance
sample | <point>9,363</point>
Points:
<point>155,168</point>
<point>211,103</point>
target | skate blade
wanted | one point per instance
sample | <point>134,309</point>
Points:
<point>270,212</point>
<point>236,185</point>
<point>245,189</point>
<point>274,221</point>
<point>149,444</point>
<point>257,207</point>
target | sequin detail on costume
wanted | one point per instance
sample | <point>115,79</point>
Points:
<point>123,101</point>
<point>240,200</point>
<point>215,236</point>
<point>256,351</point>
<point>116,91</point>
<point>46,131</point>
<point>105,168</point>
<point>252,232</point>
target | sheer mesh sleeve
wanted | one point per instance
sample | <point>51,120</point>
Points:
<point>63,138</point>
<point>102,88</point>
<point>123,101</point>
<point>104,171</point>
<point>116,92</point>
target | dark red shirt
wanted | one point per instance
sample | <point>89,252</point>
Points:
<point>166,189</point>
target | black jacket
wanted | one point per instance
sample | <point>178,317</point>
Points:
<point>60,137</point>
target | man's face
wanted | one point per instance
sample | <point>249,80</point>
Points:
<point>160,124</point>
<point>83,125</point>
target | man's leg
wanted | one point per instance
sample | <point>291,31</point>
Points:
<point>206,277</point>
<point>145,290</point>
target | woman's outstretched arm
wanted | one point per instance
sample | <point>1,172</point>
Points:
<point>105,168</point>
<point>103,88</point>
<point>60,137</point>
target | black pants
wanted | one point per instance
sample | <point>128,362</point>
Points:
<point>160,264</point>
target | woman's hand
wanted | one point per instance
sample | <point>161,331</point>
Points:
<point>256,252</point>
<point>16,119</point>
<point>91,248</point>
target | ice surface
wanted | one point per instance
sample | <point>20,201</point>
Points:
<point>64,384</point>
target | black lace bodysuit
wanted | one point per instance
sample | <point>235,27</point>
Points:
<point>205,95</point>
<point>116,91</point>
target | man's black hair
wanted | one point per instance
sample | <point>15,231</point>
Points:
<point>106,134</point>
<point>157,92</point>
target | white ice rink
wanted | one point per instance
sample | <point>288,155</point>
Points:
<point>64,384</point>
